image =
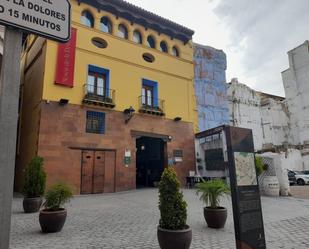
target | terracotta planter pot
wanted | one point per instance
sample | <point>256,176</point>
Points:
<point>215,218</point>
<point>174,239</point>
<point>32,205</point>
<point>52,221</point>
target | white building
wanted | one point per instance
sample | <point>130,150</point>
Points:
<point>266,115</point>
<point>275,121</point>
<point>245,110</point>
<point>296,85</point>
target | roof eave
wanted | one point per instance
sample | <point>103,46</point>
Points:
<point>145,18</point>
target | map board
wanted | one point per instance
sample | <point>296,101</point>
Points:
<point>237,148</point>
<point>47,18</point>
<point>247,210</point>
<point>245,169</point>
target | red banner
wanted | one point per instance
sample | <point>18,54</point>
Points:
<point>66,62</point>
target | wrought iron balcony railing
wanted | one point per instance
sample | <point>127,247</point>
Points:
<point>150,105</point>
<point>100,96</point>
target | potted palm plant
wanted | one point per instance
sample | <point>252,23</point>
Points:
<point>173,232</point>
<point>34,186</point>
<point>210,193</point>
<point>260,166</point>
<point>53,216</point>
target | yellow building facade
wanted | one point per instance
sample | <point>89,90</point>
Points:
<point>129,109</point>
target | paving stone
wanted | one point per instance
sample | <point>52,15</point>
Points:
<point>129,220</point>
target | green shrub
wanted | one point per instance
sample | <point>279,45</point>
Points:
<point>57,196</point>
<point>35,178</point>
<point>172,207</point>
<point>259,166</point>
<point>211,191</point>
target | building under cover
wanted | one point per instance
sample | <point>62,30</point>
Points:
<point>210,87</point>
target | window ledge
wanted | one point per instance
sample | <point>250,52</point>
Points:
<point>99,103</point>
<point>152,111</point>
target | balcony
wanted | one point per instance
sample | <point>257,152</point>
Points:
<point>99,96</point>
<point>152,106</point>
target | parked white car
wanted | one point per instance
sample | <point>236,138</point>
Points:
<point>302,177</point>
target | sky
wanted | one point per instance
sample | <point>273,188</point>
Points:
<point>255,34</point>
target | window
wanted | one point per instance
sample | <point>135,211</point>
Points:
<point>99,42</point>
<point>149,93</point>
<point>163,47</point>
<point>122,31</point>
<point>137,37</point>
<point>175,51</point>
<point>95,122</point>
<point>106,25</point>
<point>151,42</point>
<point>96,84</point>
<point>87,19</point>
<point>148,57</point>
<point>98,81</point>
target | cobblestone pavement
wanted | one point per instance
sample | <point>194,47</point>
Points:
<point>128,220</point>
<point>300,191</point>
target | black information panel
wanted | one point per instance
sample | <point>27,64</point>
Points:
<point>247,211</point>
<point>235,152</point>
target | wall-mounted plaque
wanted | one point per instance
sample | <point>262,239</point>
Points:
<point>178,156</point>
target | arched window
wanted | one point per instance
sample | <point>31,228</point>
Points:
<point>122,31</point>
<point>106,25</point>
<point>175,51</point>
<point>137,37</point>
<point>151,42</point>
<point>163,47</point>
<point>87,19</point>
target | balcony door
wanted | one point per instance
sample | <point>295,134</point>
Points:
<point>147,96</point>
<point>96,84</point>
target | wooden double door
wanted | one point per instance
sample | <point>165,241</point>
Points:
<point>98,172</point>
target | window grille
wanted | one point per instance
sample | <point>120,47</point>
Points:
<point>95,122</point>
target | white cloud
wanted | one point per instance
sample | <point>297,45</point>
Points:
<point>270,29</point>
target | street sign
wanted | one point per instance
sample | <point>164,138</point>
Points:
<point>47,18</point>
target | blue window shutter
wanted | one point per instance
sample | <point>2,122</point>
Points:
<point>154,85</point>
<point>104,71</point>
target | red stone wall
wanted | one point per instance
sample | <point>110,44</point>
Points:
<point>62,132</point>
